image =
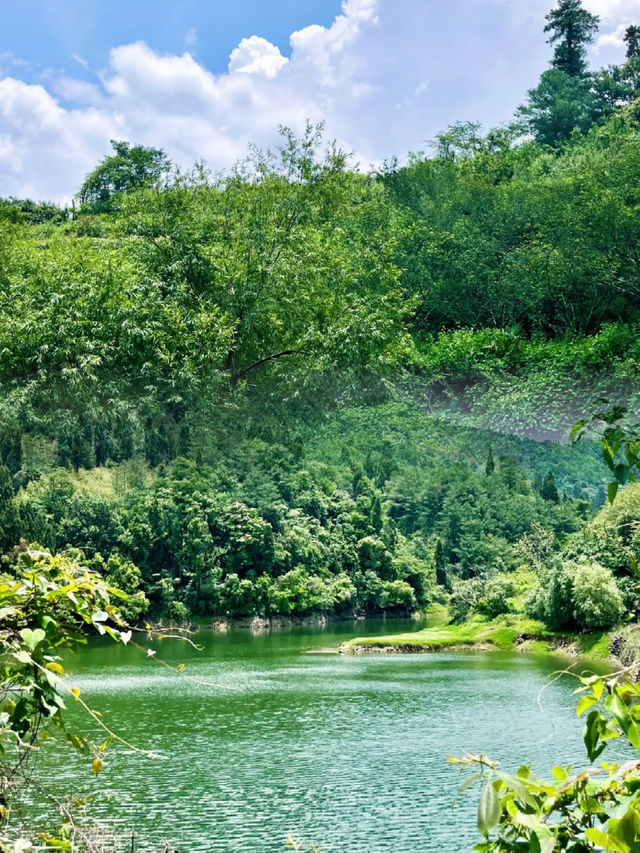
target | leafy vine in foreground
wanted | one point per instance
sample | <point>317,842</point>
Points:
<point>48,605</point>
<point>596,809</point>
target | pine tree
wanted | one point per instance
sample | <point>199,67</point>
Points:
<point>549,491</point>
<point>441,565</point>
<point>375,518</point>
<point>632,40</point>
<point>572,29</point>
<point>490,467</point>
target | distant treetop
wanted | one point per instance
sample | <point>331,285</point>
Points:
<point>632,40</point>
<point>572,29</point>
<point>129,167</point>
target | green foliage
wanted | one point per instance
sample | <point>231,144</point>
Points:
<point>572,30</point>
<point>47,603</point>
<point>577,595</point>
<point>127,169</point>
<point>596,598</point>
<point>595,809</point>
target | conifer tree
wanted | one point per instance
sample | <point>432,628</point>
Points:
<point>632,41</point>
<point>490,467</point>
<point>549,491</point>
<point>572,29</point>
<point>441,565</point>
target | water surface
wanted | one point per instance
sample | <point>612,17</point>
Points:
<point>344,752</point>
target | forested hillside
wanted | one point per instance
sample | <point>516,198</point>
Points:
<point>222,388</point>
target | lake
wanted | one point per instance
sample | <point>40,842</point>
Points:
<point>347,753</point>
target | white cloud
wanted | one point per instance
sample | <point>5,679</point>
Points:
<point>386,76</point>
<point>76,91</point>
<point>80,60</point>
<point>191,38</point>
<point>256,55</point>
<point>614,9</point>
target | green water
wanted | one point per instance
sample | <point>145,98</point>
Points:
<point>344,752</point>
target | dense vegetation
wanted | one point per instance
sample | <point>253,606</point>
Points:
<point>172,352</point>
<point>269,392</point>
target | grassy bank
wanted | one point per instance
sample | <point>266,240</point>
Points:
<point>509,633</point>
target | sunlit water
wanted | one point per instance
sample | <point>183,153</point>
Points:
<point>344,752</point>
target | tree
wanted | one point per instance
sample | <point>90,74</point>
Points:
<point>597,601</point>
<point>127,169</point>
<point>294,249</point>
<point>490,467</point>
<point>440,560</point>
<point>632,41</point>
<point>559,104</point>
<point>549,490</point>
<point>48,603</point>
<point>572,29</point>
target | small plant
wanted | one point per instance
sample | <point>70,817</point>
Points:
<point>595,809</point>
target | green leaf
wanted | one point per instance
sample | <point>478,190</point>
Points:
<point>584,704</point>
<point>577,431</point>
<point>612,491</point>
<point>591,734</point>
<point>606,841</point>
<point>488,809</point>
<point>32,639</point>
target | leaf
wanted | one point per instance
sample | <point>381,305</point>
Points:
<point>591,735</point>
<point>577,431</point>
<point>612,492</point>
<point>125,636</point>
<point>488,809</point>
<point>606,841</point>
<point>180,667</point>
<point>519,788</point>
<point>100,616</point>
<point>55,667</point>
<point>547,841</point>
<point>96,765</point>
<point>32,639</point>
<point>76,693</point>
<point>584,704</point>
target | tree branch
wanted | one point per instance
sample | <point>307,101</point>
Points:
<point>238,376</point>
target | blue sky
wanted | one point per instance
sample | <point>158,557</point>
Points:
<point>203,78</point>
<point>48,33</point>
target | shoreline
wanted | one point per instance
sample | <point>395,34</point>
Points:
<point>620,646</point>
<point>258,624</point>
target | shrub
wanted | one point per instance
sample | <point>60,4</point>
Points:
<point>597,600</point>
<point>398,597</point>
<point>495,599</point>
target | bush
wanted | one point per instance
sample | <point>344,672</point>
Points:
<point>495,599</point>
<point>397,597</point>
<point>465,597</point>
<point>577,596</point>
<point>597,600</point>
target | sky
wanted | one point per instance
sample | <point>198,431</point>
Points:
<point>204,78</point>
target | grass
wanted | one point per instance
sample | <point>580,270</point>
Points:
<point>506,633</point>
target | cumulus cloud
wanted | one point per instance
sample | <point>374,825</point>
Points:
<point>614,9</point>
<point>386,75</point>
<point>256,55</point>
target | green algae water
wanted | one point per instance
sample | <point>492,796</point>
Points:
<point>347,753</point>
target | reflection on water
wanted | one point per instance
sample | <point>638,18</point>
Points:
<point>344,752</point>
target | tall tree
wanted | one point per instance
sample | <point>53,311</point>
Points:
<point>572,29</point>
<point>549,489</point>
<point>559,104</point>
<point>632,41</point>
